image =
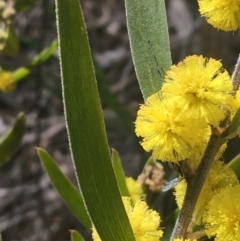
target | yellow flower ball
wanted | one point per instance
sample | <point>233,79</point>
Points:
<point>221,14</point>
<point>168,136</point>
<point>222,216</point>
<point>144,221</point>
<point>201,88</point>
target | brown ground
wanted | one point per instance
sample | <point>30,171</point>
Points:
<point>30,208</point>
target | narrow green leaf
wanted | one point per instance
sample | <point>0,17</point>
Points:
<point>10,143</point>
<point>66,189</point>
<point>117,165</point>
<point>235,165</point>
<point>39,59</point>
<point>233,128</point>
<point>149,41</point>
<point>76,236</point>
<point>86,128</point>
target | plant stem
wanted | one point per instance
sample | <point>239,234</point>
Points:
<point>195,185</point>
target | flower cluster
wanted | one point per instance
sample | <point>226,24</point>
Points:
<point>175,122</point>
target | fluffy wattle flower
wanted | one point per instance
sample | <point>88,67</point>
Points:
<point>219,177</point>
<point>221,14</point>
<point>169,137</point>
<point>222,217</point>
<point>201,88</point>
<point>144,221</point>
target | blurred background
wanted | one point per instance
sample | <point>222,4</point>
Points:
<point>30,208</point>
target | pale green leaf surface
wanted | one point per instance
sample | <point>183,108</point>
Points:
<point>149,41</point>
<point>76,236</point>
<point>86,128</point>
<point>11,141</point>
<point>69,193</point>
